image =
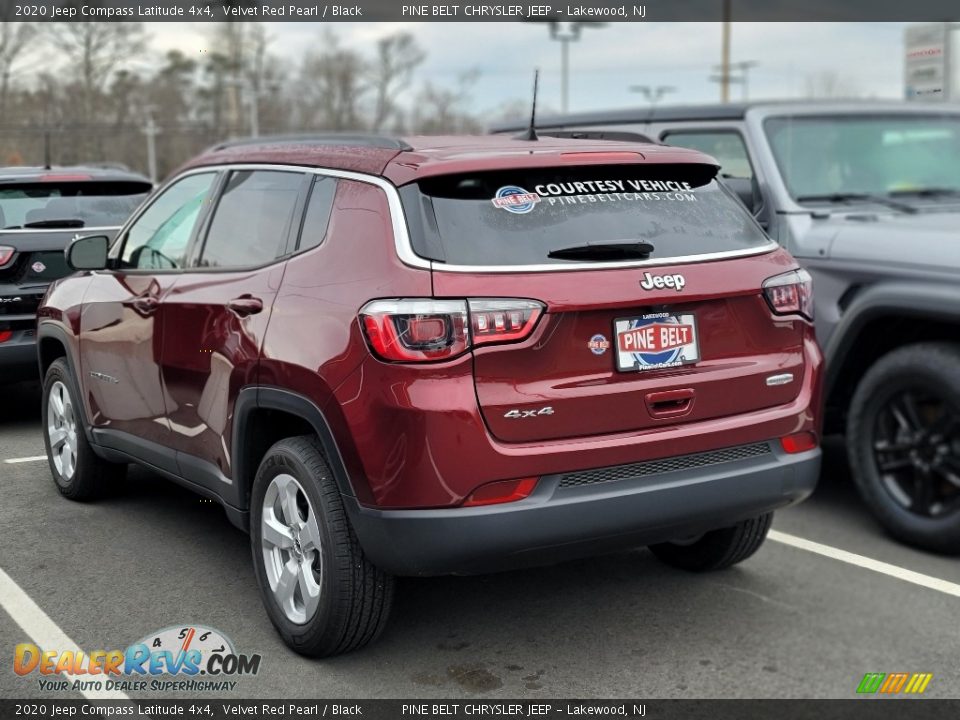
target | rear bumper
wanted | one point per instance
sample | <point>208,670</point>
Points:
<point>18,358</point>
<point>562,520</point>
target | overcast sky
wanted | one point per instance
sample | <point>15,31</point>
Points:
<point>866,57</point>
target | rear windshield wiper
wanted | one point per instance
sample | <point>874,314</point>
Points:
<point>615,250</point>
<point>71,223</point>
<point>865,197</point>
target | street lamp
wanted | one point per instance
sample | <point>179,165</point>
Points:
<point>729,78</point>
<point>652,93</point>
<point>565,33</point>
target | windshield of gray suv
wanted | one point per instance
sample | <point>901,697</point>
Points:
<point>839,157</point>
<point>69,203</point>
<point>556,215</point>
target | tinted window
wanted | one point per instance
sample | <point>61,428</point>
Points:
<point>159,237</point>
<point>518,217</point>
<point>54,203</point>
<point>252,218</point>
<point>866,154</point>
<point>726,146</point>
<point>319,208</point>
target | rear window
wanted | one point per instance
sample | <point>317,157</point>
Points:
<point>518,217</point>
<point>69,204</point>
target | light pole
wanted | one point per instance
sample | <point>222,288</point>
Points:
<point>151,130</point>
<point>653,94</point>
<point>566,33</point>
<point>727,78</point>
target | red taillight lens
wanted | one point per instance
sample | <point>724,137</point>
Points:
<point>5,335</point>
<point>790,293</point>
<point>799,442</point>
<point>502,491</point>
<point>5,254</point>
<point>414,330</point>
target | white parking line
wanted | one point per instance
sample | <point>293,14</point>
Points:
<point>927,581</point>
<point>32,458</point>
<point>41,629</point>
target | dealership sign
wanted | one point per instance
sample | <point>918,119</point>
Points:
<point>927,75</point>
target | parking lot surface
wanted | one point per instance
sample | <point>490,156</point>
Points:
<point>787,623</point>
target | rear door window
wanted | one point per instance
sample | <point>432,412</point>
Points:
<point>69,204</point>
<point>518,217</point>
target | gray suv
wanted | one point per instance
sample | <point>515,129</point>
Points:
<point>866,195</point>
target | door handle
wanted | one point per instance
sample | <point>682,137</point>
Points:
<point>671,403</point>
<point>246,305</point>
<point>145,304</point>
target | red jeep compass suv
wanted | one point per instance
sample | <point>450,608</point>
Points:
<point>439,355</point>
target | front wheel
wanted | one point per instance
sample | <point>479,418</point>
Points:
<point>78,472</point>
<point>322,594</point>
<point>903,439</point>
<point>717,549</point>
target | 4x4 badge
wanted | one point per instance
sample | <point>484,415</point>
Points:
<point>659,282</point>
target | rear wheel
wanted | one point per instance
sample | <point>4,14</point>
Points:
<point>717,549</point>
<point>78,472</point>
<point>903,439</point>
<point>321,592</point>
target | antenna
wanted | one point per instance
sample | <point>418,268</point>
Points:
<point>531,133</point>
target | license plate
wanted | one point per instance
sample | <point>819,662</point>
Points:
<point>655,341</point>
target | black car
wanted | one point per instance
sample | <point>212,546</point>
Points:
<point>41,210</point>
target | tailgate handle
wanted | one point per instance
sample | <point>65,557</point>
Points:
<point>670,403</point>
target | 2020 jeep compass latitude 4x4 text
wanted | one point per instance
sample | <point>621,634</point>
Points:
<point>439,355</point>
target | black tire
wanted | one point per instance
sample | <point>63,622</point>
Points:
<point>717,549</point>
<point>913,385</point>
<point>91,476</point>
<point>355,596</point>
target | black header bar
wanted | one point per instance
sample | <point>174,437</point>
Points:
<point>479,11</point>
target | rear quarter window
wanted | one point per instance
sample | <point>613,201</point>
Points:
<point>517,217</point>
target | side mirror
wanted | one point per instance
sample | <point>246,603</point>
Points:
<point>88,253</point>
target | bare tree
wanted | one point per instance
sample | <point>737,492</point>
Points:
<point>391,72</point>
<point>442,110</point>
<point>331,87</point>
<point>830,84</point>
<point>94,50</point>
<point>15,41</point>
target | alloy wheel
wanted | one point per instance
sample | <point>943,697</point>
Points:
<point>290,540</point>
<point>62,430</point>
<point>916,445</point>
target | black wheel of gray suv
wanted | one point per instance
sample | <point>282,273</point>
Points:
<point>76,469</point>
<point>717,549</point>
<point>903,440</point>
<point>322,594</point>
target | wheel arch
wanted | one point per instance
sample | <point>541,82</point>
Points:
<point>264,415</point>
<point>880,319</point>
<point>55,342</point>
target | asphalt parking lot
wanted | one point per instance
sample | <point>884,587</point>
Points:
<point>788,623</point>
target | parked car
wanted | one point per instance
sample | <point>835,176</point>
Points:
<point>866,195</point>
<point>41,209</point>
<point>439,355</point>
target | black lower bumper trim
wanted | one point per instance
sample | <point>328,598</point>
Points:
<point>558,523</point>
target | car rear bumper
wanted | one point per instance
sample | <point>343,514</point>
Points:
<point>18,358</point>
<point>589,512</point>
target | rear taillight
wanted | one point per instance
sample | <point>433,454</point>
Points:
<point>790,293</point>
<point>6,253</point>
<point>5,335</point>
<point>422,330</point>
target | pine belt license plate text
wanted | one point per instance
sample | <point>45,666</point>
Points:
<point>655,341</point>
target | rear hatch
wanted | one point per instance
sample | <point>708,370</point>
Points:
<point>653,310</point>
<point>38,217</point>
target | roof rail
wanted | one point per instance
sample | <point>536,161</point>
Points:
<point>351,139</point>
